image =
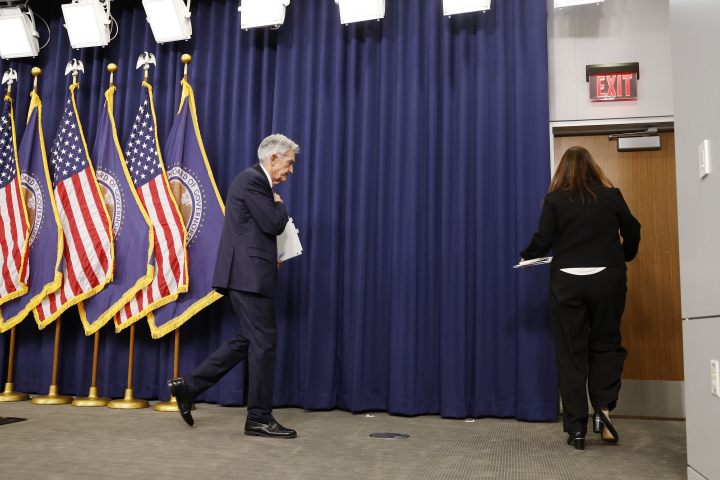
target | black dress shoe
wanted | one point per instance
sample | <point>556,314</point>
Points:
<point>577,439</point>
<point>601,424</point>
<point>272,430</point>
<point>178,390</point>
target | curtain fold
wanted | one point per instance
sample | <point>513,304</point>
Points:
<point>424,161</point>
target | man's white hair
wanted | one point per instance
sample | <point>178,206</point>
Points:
<point>276,145</point>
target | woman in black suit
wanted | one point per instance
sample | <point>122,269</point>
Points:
<point>580,221</point>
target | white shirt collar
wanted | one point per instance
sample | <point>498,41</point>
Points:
<point>267,175</point>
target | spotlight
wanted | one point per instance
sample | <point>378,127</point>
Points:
<point>169,19</point>
<point>87,22</point>
<point>360,10</point>
<point>18,37</point>
<point>571,3</point>
<point>452,7</point>
<point>262,13</point>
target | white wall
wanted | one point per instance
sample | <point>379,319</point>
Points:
<point>700,338</point>
<point>616,31</point>
<point>695,49</point>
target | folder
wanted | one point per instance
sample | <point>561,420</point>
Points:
<point>288,242</point>
<point>533,262</point>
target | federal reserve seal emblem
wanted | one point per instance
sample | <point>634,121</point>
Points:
<point>112,197</point>
<point>188,196</point>
<point>34,204</point>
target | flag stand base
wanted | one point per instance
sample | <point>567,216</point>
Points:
<point>52,398</point>
<point>92,400</point>
<point>129,401</point>
<point>170,406</point>
<point>10,395</point>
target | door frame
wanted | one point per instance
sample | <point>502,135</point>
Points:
<point>641,398</point>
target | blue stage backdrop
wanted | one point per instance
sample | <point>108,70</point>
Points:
<point>424,161</point>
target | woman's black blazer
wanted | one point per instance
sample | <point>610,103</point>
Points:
<point>586,234</point>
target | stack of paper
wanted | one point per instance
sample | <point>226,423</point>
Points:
<point>533,262</point>
<point>288,242</point>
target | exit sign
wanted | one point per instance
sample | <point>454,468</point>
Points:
<point>615,86</point>
<point>613,81</point>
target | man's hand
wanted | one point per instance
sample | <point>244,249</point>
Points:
<point>279,264</point>
<point>277,198</point>
<point>525,268</point>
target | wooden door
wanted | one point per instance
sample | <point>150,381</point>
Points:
<point>652,324</point>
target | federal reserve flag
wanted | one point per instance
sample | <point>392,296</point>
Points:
<point>13,219</point>
<point>88,250</point>
<point>203,213</point>
<point>132,231</point>
<point>45,234</point>
<point>145,165</point>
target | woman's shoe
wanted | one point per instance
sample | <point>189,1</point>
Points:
<point>577,439</point>
<point>602,425</point>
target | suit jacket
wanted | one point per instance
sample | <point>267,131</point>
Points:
<point>586,234</point>
<point>247,256</point>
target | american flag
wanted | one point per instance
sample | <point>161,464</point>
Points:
<point>142,156</point>
<point>88,250</point>
<point>13,220</point>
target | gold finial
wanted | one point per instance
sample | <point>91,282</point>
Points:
<point>185,59</point>
<point>36,72</point>
<point>112,68</point>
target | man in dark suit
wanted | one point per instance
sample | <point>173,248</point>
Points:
<point>247,270</point>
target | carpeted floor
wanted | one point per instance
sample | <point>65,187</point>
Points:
<point>66,442</point>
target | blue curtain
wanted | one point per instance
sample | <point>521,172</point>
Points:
<point>424,160</point>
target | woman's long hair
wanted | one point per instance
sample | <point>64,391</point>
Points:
<point>579,173</point>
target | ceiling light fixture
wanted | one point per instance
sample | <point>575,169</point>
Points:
<point>453,7</point>
<point>352,11</point>
<point>18,37</point>
<point>169,19</point>
<point>262,13</point>
<point>88,22</point>
<point>572,3</point>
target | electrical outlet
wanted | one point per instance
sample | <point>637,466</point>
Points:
<point>715,377</point>
<point>704,151</point>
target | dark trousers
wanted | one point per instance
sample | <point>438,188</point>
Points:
<point>256,341</point>
<point>585,313</point>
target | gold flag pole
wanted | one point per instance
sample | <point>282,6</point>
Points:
<point>52,398</point>
<point>172,405</point>
<point>92,400</point>
<point>130,401</point>
<point>10,395</point>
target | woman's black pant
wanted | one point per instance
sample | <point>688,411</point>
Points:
<point>585,313</point>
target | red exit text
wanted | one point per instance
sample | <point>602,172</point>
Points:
<point>615,86</point>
